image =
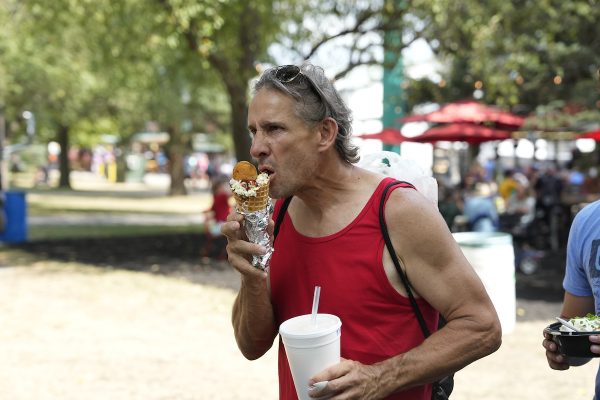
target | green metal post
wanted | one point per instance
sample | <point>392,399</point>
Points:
<point>394,104</point>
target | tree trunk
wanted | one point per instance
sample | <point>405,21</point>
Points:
<point>63,158</point>
<point>239,120</point>
<point>175,153</point>
<point>235,74</point>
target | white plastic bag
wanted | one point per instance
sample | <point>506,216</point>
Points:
<point>403,169</point>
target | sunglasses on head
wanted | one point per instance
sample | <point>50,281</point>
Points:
<point>288,73</point>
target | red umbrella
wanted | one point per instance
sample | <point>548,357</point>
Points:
<point>387,136</point>
<point>590,135</point>
<point>470,133</point>
<point>469,111</point>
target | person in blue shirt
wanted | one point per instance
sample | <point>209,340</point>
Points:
<point>480,209</point>
<point>581,284</point>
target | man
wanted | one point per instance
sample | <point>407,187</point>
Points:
<point>581,283</point>
<point>330,236</point>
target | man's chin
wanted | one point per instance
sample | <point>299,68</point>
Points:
<point>277,192</point>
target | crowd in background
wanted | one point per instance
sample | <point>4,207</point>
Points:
<point>537,203</point>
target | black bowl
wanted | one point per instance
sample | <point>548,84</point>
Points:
<point>571,344</point>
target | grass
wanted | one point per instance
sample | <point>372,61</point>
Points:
<point>92,195</point>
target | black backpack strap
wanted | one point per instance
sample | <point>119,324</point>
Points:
<point>390,247</point>
<point>280,216</point>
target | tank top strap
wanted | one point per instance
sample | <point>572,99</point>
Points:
<point>393,184</point>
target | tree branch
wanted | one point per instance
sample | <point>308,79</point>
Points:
<point>362,18</point>
<point>352,65</point>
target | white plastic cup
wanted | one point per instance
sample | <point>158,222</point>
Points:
<point>310,347</point>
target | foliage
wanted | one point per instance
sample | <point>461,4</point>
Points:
<point>48,62</point>
<point>523,52</point>
<point>91,67</point>
<point>87,68</point>
<point>558,116</point>
<point>344,35</point>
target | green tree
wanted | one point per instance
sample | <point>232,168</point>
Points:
<point>49,68</point>
<point>522,52</point>
<point>89,65</point>
<point>171,84</point>
<point>230,37</point>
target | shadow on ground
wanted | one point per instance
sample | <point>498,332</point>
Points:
<point>132,253</point>
<point>192,256</point>
<point>538,296</point>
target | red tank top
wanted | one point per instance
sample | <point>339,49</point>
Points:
<point>377,322</point>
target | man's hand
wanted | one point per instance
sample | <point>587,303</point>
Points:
<point>555,359</point>
<point>349,380</point>
<point>239,249</point>
<point>572,305</point>
<point>595,341</point>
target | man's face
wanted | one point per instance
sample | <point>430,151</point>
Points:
<point>283,144</point>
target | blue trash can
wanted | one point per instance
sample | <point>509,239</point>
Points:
<point>15,211</point>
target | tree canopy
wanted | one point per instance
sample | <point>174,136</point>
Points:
<point>525,52</point>
<point>87,67</point>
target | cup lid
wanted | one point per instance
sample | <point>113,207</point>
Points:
<point>303,327</point>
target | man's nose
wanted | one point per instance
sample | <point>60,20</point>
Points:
<point>259,147</point>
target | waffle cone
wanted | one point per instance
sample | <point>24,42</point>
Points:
<point>255,203</point>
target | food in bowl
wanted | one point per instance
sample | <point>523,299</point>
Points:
<point>589,323</point>
<point>575,344</point>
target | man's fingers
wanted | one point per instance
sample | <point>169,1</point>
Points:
<point>271,227</point>
<point>244,267</point>
<point>230,226</point>
<point>556,361</point>
<point>331,374</point>
<point>549,345</point>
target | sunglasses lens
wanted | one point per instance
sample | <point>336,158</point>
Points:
<point>287,73</point>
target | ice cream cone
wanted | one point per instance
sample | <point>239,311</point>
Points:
<point>254,203</point>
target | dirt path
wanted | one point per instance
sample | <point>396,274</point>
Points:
<point>87,333</point>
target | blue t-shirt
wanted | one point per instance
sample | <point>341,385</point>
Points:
<point>582,276</point>
<point>482,213</point>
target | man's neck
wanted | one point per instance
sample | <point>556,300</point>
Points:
<point>334,201</point>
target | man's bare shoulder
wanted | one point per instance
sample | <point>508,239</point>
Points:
<point>408,200</point>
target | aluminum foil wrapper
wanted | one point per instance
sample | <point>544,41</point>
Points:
<point>255,225</point>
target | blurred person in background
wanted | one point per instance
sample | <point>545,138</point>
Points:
<point>591,182</point>
<point>581,283</point>
<point>449,204</point>
<point>480,208</point>
<point>216,215</point>
<point>549,211</point>
<point>548,190</point>
<point>508,185</point>
<point>330,236</point>
<point>522,204</point>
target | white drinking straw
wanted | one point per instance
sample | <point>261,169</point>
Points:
<point>315,306</point>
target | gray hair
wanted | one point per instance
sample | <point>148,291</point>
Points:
<point>315,101</point>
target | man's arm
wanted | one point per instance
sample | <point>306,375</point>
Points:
<point>577,306</point>
<point>252,316</point>
<point>440,274</point>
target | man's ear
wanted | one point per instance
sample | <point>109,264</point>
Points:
<point>328,130</point>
